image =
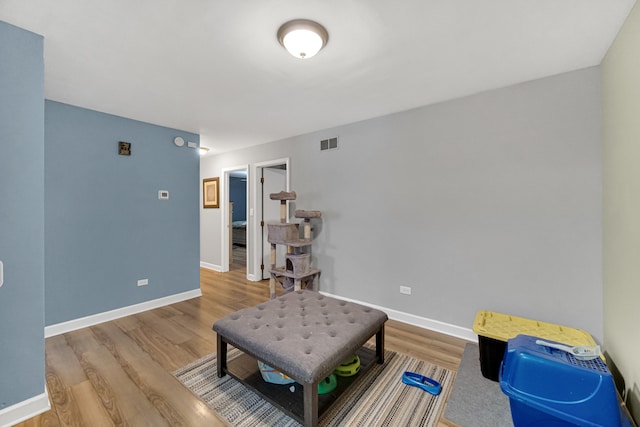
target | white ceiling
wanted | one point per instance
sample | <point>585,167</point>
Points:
<point>214,67</point>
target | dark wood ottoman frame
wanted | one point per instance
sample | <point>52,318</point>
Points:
<point>303,334</point>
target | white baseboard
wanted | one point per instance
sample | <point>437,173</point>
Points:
<point>422,322</point>
<point>251,277</point>
<point>83,322</point>
<point>213,267</point>
<point>24,410</point>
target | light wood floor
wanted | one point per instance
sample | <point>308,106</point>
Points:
<point>119,372</point>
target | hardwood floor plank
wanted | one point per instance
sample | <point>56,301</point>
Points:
<point>195,326</point>
<point>119,372</point>
<point>48,419</point>
<point>119,395</point>
<point>200,347</point>
<point>172,332</point>
<point>93,412</point>
<point>61,361</point>
<point>167,311</point>
<point>176,404</point>
<point>167,354</point>
<point>62,401</point>
<point>128,323</point>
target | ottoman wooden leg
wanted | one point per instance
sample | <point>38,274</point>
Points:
<point>380,344</point>
<point>311,405</point>
<point>222,357</point>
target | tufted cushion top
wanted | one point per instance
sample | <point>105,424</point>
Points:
<point>305,334</point>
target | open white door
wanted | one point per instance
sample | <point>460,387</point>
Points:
<point>272,177</point>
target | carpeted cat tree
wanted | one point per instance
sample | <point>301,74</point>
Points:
<point>297,272</point>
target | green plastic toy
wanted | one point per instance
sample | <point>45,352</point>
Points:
<point>328,384</point>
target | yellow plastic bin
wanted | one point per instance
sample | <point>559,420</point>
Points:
<point>495,329</point>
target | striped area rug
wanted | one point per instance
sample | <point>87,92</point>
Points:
<point>379,398</point>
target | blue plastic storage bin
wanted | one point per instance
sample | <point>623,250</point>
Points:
<point>548,387</point>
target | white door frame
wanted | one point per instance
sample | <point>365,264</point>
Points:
<point>257,203</point>
<point>224,226</point>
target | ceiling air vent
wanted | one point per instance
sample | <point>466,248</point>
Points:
<point>329,144</point>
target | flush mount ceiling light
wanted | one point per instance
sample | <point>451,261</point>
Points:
<point>302,38</point>
<point>202,150</point>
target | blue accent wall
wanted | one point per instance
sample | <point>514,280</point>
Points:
<point>105,227</point>
<point>21,215</point>
<point>238,195</point>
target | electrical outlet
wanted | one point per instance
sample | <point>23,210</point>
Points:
<point>143,282</point>
<point>405,290</point>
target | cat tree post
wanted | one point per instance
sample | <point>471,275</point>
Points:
<point>307,216</point>
<point>283,196</point>
<point>272,280</point>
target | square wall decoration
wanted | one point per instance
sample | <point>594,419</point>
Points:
<point>124,148</point>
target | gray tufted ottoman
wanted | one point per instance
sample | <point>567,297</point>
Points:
<point>303,334</point>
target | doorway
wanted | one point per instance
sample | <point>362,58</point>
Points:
<point>238,217</point>
<point>235,216</point>
<point>271,177</point>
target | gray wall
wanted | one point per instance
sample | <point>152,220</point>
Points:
<point>105,227</point>
<point>621,205</point>
<point>491,202</point>
<point>21,215</point>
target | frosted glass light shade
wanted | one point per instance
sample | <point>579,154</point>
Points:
<point>303,38</point>
<point>302,43</point>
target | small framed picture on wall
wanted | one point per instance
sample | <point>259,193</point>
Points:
<point>210,193</point>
